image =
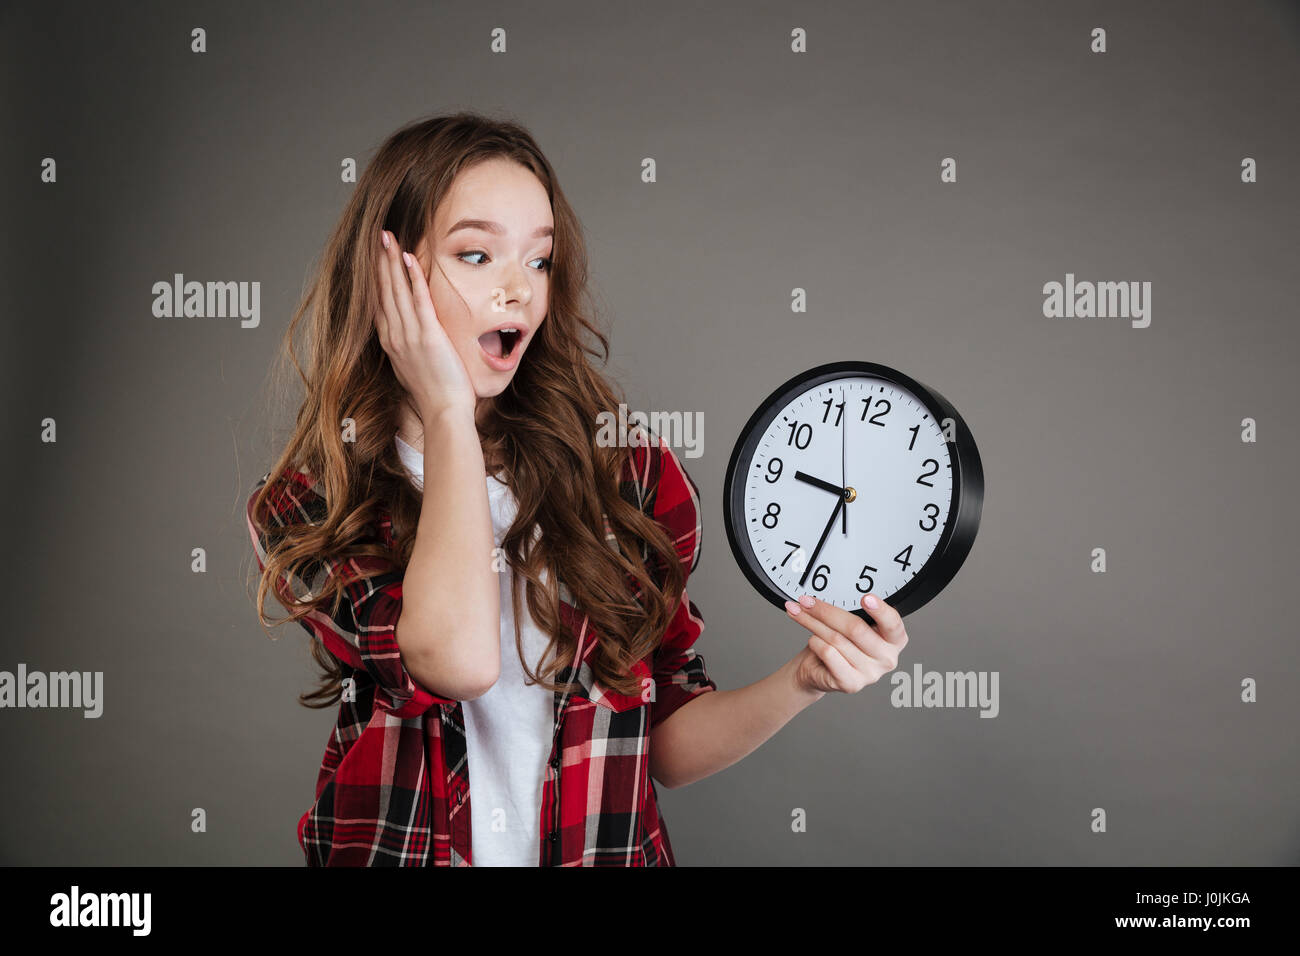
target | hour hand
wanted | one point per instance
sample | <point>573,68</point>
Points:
<point>824,485</point>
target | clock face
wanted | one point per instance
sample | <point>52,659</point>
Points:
<point>867,446</point>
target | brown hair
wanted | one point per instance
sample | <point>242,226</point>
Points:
<point>542,426</point>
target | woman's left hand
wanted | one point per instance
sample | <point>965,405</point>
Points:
<point>845,653</point>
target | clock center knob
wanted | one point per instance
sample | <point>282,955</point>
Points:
<point>850,493</point>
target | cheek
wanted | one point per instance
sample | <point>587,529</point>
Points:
<point>450,310</point>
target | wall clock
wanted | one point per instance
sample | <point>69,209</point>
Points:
<point>853,477</point>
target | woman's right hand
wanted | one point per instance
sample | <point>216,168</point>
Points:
<point>426,363</point>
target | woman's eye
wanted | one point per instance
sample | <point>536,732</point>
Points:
<point>545,267</point>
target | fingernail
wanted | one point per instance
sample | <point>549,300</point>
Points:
<point>807,600</point>
<point>870,601</point>
<point>406,257</point>
<point>383,234</point>
<point>792,607</point>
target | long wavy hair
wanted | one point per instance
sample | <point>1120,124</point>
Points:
<point>543,426</point>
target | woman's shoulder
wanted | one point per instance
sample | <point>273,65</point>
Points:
<point>295,497</point>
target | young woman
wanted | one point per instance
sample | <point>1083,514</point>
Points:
<point>444,460</point>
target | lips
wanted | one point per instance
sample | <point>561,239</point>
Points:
<point>503,349</point>
<point>500,343</point>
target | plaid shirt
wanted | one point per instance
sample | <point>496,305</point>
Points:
<point>393,789</point>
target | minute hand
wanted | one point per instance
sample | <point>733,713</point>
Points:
<point>839,503</point>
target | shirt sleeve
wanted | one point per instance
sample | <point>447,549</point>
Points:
<point>362,631</point>
<point>679,672</point>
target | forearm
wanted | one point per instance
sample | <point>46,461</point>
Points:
<point>450,627</point>
<point>716,729</point>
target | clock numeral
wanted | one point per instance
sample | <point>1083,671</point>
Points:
<point>797,432</point>
<point>871,582</point>
<point>800,560</point>
<point>840,406</point>
<point>915,430</point>
<point>771,514</point>
<point>777,474</point>
<point>821,572</point>
<point>927,474</point>
<point>903,556</point>
<point>934,523</point>
<point>866,404</point>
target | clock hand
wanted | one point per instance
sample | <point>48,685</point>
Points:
<point>824,485</point>
<point>839,503</point>
<point>844,516</point>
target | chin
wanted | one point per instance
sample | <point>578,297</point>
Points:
<point>493,388</point>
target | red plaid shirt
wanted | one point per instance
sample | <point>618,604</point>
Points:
<point>393,789</point>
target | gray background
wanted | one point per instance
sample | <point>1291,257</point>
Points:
<point>820,171</point>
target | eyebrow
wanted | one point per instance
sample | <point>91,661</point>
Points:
<point>495,228</point>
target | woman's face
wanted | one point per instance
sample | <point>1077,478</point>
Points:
<point>487,257</point>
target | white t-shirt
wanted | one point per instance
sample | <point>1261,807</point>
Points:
<point>509,729</point>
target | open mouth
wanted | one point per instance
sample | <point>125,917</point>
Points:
<point>501,342</point>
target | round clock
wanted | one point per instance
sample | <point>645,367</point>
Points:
<point>853,478</point>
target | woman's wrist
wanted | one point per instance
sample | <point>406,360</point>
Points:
<point>442,416</point>
<point>794,669</point>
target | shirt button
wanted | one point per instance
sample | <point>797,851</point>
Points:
<point>552,836</point>
<point>555,762</point>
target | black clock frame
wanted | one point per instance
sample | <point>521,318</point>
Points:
<point>958,535</point>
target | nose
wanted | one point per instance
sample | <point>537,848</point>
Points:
<point>518,289</point>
